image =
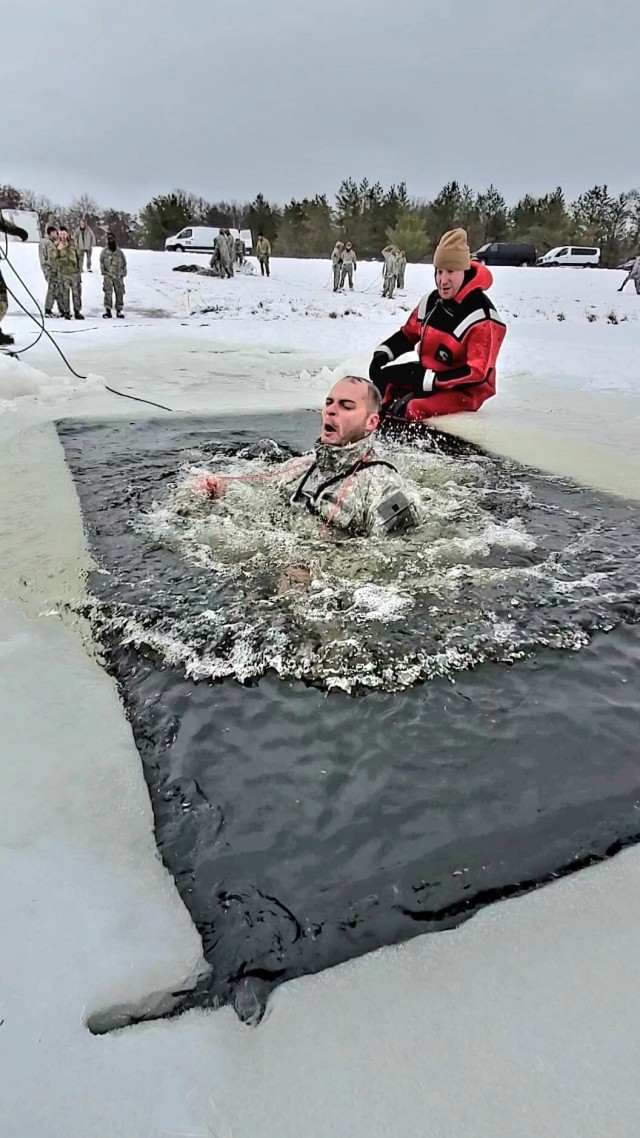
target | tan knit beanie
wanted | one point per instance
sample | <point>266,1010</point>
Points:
<point>453,251</point>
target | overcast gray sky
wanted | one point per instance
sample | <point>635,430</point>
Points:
<point>125,100</point>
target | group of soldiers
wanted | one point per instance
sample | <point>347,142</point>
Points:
<point>344,264</point>
<point>229,251</point>
<point>62,258</point>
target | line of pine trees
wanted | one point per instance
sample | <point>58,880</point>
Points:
<point>371,217</point>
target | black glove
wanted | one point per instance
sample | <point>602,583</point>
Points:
<point>376,371</point>
<point>13,230</point>
<point>397,409</point>
<point>410,375</point>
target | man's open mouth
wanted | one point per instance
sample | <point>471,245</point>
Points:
<point>329,429</point>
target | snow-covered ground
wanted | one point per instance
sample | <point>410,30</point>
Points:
<point>524,1021</point>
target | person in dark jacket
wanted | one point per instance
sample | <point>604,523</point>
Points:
<point>457,334</point>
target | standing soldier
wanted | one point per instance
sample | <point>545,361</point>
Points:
<point>336,264</point>
<point>231,245</point>
<point>48,264</point>
<point>67,260</point>
<point>263,251</point>
<point>402,265</point>
<point>239,247</point>
<point>222,254</point>
<point>633,275</point>
<point>13,231</point>
<point>349,265</point>
<point>85,239</point>
<point>113,266</point>
<point>391,256</point>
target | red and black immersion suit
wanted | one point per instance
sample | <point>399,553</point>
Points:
<point>457,342</point>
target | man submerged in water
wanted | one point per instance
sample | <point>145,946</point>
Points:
<point>344,482</point>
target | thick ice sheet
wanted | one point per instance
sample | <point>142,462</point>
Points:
<point>524,1021</point>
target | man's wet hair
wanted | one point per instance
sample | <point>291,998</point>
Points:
<point>375,398</point>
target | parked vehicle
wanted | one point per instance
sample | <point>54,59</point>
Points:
<point>200,239</point>
<point>506,253</point>
<point>585,256</point>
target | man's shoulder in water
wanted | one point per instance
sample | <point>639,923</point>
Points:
<point>352,487</point>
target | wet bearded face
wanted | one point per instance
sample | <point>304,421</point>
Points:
<point>449,282</point>
<point>347,415</point>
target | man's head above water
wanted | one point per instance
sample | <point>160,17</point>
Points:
<point>351,411</point>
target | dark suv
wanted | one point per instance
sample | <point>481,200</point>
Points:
<point>506,253</point>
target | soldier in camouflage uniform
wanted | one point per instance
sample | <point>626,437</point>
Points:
<point>349,264</point>
<point>336,264</point>
<point>344,483</point>
<point>263,253</point>
<point>633,275</point>
<point>13,231</point>
<point>68,263</point>
<point>231,244</point>
<point>113,266</point>
<point>48,264</point>
<point>402,265</point>
<point>239,251</point>
<point>222,254</point>
<point>391,255</point>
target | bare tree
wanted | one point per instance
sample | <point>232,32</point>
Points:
<point>83,206</point>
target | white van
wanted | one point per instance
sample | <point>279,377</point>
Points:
<point>200,239</point>
<point>585,256</point>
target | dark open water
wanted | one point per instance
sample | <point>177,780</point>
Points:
<point>305,828</point>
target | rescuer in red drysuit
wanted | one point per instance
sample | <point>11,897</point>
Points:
<point>457,334</point>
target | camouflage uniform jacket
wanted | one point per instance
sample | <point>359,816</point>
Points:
<point>349,257</point>
<point>263,247</point>
<point>67,260</point>
<point>351,487</point>
<point>113,263</point>
<point>336,256</point>
<point>634,271</point>
<point>47,253</point>
<point>221,247</point>
<point>391,261</point>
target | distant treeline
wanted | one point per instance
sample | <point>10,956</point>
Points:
<point>371,217</point>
